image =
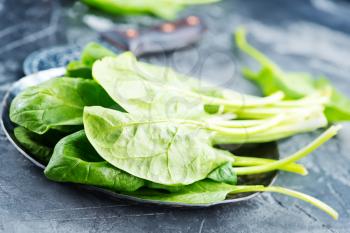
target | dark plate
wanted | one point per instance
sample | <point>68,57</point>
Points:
<point>266,150</point>
<point>58,56</point>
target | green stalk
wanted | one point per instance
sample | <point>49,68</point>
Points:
<point>241,131</point>
<point>328,134</point>
<point>241,161</point>
<point>254,53</point>
<point>269,111</point>
<point>243,103</point>
<point>307,103</point>
<point>244,131</point>
<point>238,123</point>
<point>221,117</point>
<point>304,102</point>
<point>232,103</point>
<point>276,189</point>
<point>295,124</point>
<point>249,74</point>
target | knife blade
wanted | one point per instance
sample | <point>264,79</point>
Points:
<point>165,37</point>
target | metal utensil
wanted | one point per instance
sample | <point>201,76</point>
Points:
<point>165,37</point>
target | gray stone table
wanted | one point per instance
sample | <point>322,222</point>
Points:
<point>306,35</point>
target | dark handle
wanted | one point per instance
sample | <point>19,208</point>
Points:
<point>165,37</point>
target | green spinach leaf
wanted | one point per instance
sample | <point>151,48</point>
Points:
<point>93,52</point>
<point>161,151</point>
<point>79,70</point>
<point>224,174</point>
<point>75,160</point>
<point>57,104</point>
<point>201,192</point>
<point>126,64</point>
<point>338,108</point>
<point>271,78</point>
<point>171,152</point>
<point>150,90</point>
<point>157,92</point>
<point>147,90</point>
<point>40,146</point>
<point>162,187</point>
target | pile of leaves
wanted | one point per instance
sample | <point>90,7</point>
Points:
<point>152,133</point>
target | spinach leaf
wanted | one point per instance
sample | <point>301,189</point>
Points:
<point>78,69</point>
<point>126,64</point>
<point>93,52</point>
<point>57,104</point>
<point>152,90</point>
<point>156,92</point>
<point>201,192</point>
<point>162,187</point>
<point>172,152</point>
<point>161,8</point>
<point>271,78</point>
<point>163,152</point>
<point>147,90</point>
<point>129,142</point>
<point>338,108</point>
<point>40,146</point>
<point>75,160</point>
<point>224,174</point>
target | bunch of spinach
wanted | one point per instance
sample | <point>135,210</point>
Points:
<point>169,152</point>
<point>271,78</point>
<point>166,9</point>
<point>151,133</point>
<point>75,160</point>
<point>160,92</point>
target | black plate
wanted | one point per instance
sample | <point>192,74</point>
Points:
<point>54,57</point>
<point>266,150</point>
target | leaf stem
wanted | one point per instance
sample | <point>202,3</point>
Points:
<point>243,103</point>
<point>238,123</point>
<point>242,161</point>
<point>296,124</point>
<point>328,134</point>
<point>276,189</point>
<point>241,41</point>
<point>244,131</point>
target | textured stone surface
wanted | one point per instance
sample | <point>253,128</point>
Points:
<point>310,35</point>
